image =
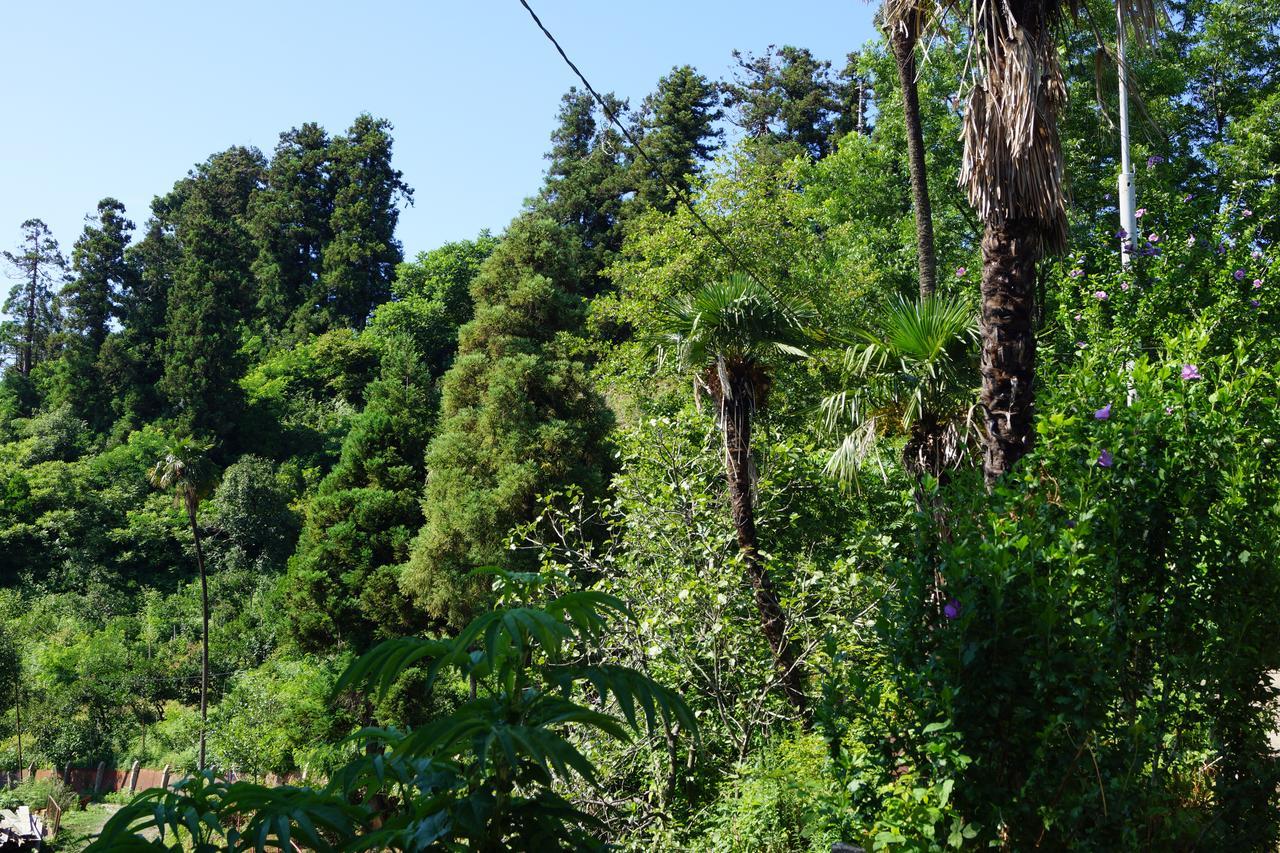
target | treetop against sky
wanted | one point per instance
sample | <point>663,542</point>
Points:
<point>118,100</point>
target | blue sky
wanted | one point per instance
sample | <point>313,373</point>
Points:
<point>122,99</point>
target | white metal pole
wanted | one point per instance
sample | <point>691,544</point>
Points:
<point>1128,217</point>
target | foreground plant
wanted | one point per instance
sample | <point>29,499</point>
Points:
<point>483,777</point>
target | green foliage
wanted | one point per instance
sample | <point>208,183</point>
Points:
<point>484,776</point>
<point>518,419</point>
<point>910,374</point>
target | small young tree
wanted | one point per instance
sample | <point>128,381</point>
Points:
<point>37,266</point>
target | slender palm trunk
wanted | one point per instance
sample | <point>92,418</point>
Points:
<point>17,719</point>
<point>737,407</point>
<point>1009,255</point>
<point>902,40</point>
<point>204,637</point>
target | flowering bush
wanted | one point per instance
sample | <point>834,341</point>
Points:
<point>1107,667</point>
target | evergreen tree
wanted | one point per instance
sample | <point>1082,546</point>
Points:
<point>677,126</point>
<point>37,266</point>
<point>102,274</point>
<point>784,96</point>
<point>358,264</point>
<point>519,418</point>
<point>211,292</point>
<point>290,221</point>
<point>131,363</point>
<point>344,578</point>
<point>587,182</point>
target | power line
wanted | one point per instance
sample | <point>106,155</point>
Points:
<point>678,191</point>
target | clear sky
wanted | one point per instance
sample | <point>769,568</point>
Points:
<point>121,99</point>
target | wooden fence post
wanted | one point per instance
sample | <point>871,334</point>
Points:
<point>133,775</point>
<point>31,771</point>
<point>66,775</point>
<point>164,781</point>
<point>97,777</point>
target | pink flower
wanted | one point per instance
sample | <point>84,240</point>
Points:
<point>1257,283</point>
<point>1139,213</point>
<point>960,271</point>
<point>1168,410</point>
<point>1190,372</point>
<point>1247,212</point>
<point>1124,285</point>
<point>1100,295</point>
<point>1153,238</point>
<point>1079,317</point>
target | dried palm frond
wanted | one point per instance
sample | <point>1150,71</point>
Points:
<point>1012,166</point>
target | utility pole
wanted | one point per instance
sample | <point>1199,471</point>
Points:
<point>1128,217</point>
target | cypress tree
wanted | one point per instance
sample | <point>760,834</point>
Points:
<point>211,291</point>
<point>587,183</point>
<point>358,264</point>
<point>519,418</point>
<point>344,578</point>
<point>677,126</point>
<point>290,222</point>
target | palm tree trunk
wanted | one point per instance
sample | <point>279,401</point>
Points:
<point>1009,255</point>
<point>204,636</point>
<point>902,40</point>
<point>737,405</point>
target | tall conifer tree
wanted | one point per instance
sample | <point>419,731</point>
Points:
<point>519,418</point>
<point>677,125</point>
<point>37,266</point>
<point>358,264</point>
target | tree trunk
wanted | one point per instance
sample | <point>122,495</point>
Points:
<point>204,636</point>
<point>29,346</point>
<point>736,408</point>
<point>17,718</point>
<point>1009,255</point>
<point>902,40</point>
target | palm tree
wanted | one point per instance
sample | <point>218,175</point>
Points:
<point>907,378</point>
<point>185,469</point>
<point>1012,171</point>
<point>727,333</point>
<point>903,22</point>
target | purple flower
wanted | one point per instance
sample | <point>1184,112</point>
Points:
<point>1187,197</point>
<point>1076,273</point>
<point>1103,414</point>
<point>1191,240</point>
<point>1255,254</point>
<point>1257,284</point>
<point>1079,317</point>
<point>1105,458</point>
<point>1139,213</point>
<point>1190,372</point>
<point>1153,238</point>
<point>960,271</point>
<point>1239,274</point>
<point>1247,212</point>
<point>1124,285</point>
<point>1080,344</point>
<point>951,609</point>
<point>1154,160</point>
<point>1071,522</point>
<point>1168,410</point>
<point>1100,295</point>
<point>1121,234</point>
<point>1255,303</point>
